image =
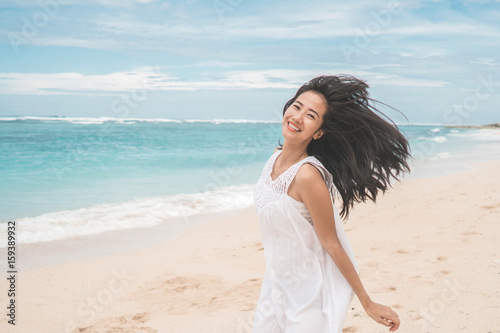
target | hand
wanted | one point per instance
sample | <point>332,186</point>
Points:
<point>383,315</point>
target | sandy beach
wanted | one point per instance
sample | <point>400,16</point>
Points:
<point>429,248</point>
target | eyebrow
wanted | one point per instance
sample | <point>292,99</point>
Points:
<point>309,109</point>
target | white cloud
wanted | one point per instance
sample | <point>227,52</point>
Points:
<point>447,28</point>
<point>103,3</point>
<point>212,63</point>
<point>485,61</point>
<point>77,83</point>
<point>118,30</point>
<point>151,78</point>
<point>409,82</point>
<point>482,1</point>
<point>71,83</point>
<point>91,43</point>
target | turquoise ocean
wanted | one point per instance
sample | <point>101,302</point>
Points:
<point>66,176</point>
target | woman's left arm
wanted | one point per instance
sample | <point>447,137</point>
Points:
<point>314,194</point>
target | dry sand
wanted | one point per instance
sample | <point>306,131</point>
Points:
<point>429,248</point>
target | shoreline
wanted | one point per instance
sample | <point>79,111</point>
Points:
<point>437,236</point>
<point>486,126</point>
<point>109,243</point>
<point>85,247</point>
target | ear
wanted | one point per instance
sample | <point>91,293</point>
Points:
<point>318,134</point>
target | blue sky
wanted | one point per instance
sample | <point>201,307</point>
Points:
<point>435,61</point>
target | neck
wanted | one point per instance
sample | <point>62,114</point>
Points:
<point>291,153</point>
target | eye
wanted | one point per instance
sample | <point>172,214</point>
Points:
<point>296,106</point>
<point>311,116</point>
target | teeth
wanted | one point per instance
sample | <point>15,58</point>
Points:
<point>295,128</point>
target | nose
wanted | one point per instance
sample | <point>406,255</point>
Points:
<point>297,118</point>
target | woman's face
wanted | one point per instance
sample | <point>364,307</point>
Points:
<point>304,117</point>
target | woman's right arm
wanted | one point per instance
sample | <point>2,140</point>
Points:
<point>314,193</point>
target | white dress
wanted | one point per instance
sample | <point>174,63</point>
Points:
<point>303,291</point>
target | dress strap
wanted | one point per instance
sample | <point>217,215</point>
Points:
<point>268,190</point>
<point>327,176</point>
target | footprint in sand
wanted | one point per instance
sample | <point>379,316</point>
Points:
<point>177,280</point>
<point>180,284</point>
<point>491,206</point>
<point>141,317</point>
<point>414,315</point>
<point>129,323</point>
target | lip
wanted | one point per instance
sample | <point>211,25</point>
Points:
<point>291,129</point>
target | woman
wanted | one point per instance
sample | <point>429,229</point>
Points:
<point>335,143</point>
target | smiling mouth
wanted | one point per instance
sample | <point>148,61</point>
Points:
<point>292,127</point>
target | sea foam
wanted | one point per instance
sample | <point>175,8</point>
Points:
<point>101,120</point>
<point>130,214</point>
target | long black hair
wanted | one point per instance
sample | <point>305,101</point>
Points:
<point>361,150</point>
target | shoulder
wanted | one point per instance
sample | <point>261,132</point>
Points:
<point>308,173</point>
<point>309,183</point>
<point>276,149</point>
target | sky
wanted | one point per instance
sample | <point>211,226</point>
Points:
<point>436,62</point>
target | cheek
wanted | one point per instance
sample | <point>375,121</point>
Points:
<point>286,116</point>
<point>314,126</point>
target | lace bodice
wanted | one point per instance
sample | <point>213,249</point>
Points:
<point>268,190</point>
